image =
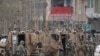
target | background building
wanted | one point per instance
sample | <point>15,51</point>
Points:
<point>30,14</point>
<point>22,13</point>
<point>92,9</point>
<point>78,15</point>
<point>93,13</point>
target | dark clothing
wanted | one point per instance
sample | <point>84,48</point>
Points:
<point>70,47</point>
<point>1,54</point>
<point>21,51</point>
<point>7,49</point>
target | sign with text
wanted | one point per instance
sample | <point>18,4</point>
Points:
<point>86,27</point>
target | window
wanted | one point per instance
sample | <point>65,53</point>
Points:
<point>68,2</point>
<point>90,3</point>
<point>58,3</point>
<point>97,6</point>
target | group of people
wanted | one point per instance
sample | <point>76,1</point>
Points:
<point>78,44</point>
<point>20,50</point>
<point>84,46</point>
<point>71,47</point>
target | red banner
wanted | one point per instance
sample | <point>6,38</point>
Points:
<point>60,13</point>
<point>61,10</point>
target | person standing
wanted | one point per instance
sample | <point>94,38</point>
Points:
<point>70,47</point>
<point>21,49</point>
<point>1,53</point>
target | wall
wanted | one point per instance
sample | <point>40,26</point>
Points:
<point>79,11</point>
<point>23,13</point>
<point>93,11</point>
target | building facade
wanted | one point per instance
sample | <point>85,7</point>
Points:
<point>93,9</point>
<point>93,13</point>
<point>78,10</point>
<point>77,5</point>
<point>28,14</point>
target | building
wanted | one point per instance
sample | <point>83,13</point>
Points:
<point>93,13</point>
<point>92,9</point>
<point>29,14</point>
<point>22,13</point>
<point>78,15</point>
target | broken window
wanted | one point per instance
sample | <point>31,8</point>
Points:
<point>57,3</point>
<point>68,2</point>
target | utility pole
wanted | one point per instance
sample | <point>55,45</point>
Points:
<point>5,26</point>
<point>44,14</point>
<point>79,10</point>
<point>78,13</point>
<point>35,24</point>
<point>81,15</point>
<point>35,15</point>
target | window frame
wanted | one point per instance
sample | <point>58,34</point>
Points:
<point>53,4</point>
<point>90,3</point>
